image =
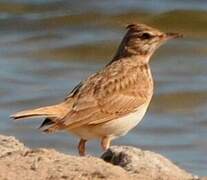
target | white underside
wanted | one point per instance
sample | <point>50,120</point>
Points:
<point>114,128</point>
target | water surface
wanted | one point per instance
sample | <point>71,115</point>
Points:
<point>47,47</point>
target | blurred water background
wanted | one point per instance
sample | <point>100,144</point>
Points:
<point>48,46</point>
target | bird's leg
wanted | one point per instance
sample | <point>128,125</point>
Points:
<point>105,143</point>
<point>81,147</point>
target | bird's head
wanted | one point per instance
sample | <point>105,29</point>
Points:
<point>142,40</point>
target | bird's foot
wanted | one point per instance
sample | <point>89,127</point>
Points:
<point>105,143</point>
<point>81,147</point>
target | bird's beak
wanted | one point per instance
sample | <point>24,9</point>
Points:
<point>169,36</point>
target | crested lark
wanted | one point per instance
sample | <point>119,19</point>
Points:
<point>112,101</point>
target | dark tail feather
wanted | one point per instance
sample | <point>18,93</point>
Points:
<point>49,126</point>
<point>47,122</point>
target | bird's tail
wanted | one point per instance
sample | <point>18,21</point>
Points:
<point>57,111</point>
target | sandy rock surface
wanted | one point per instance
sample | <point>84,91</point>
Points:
<point>20,162</point>
<point>9,144</point>
<point>146,164</point>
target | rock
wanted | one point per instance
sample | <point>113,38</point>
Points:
<point>9,144</point>
<point>20,162</point>
<point>44,164</point>
<point>144,164</point>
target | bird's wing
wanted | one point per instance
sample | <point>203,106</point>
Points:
<point>106,96</point>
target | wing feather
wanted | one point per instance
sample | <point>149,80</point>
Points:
<point>108,95</point>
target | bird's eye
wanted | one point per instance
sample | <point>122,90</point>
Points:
<point>146,36</point>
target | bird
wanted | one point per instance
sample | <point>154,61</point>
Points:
<point>112,101</point>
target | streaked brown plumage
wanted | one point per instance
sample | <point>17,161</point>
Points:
<point>112,101</point>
